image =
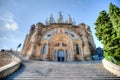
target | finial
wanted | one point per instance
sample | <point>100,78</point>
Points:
<point>60,18</point>
<point>74,23</point>
<point>69,19</point>
<point>51,19</point>
<point>46,22</point>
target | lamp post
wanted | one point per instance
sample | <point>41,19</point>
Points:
<point>17,49</point>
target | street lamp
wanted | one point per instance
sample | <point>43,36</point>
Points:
<point>17,48</point>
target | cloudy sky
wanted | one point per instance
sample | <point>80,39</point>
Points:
<point>16,16</point>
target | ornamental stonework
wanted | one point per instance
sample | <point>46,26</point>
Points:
<point>59,41</point>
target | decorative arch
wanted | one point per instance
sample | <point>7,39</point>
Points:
<point>61,41</point>
<point>65,39</point>
<point>71,33</point>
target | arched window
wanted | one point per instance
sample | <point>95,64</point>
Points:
<point>64,45</point>
<point>57,44</point>
<point>77,49</point>
<point>54,53</point>
<point>44,48</point>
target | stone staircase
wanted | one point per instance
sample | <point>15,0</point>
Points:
<point>43,70</point>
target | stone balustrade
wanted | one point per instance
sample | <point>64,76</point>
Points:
<point>10,67</point>
<point>113,68</point>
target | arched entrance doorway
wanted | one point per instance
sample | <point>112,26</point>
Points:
<point>60,56</point>
<point>60,45</point>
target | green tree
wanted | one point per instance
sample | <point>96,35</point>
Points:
<point>104,31</point>
<point>114,12</point>
<point>108,32</point>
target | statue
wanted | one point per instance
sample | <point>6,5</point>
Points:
<point>69,19</point>
<point>51,19</point>
<point>46,22</point>
<point>60,18</point>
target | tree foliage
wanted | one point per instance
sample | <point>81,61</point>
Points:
<point>114,12</point>
<point>108,32</point>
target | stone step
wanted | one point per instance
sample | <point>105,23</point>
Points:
<point>64,78</point>
<point>63,74</point>
<point>42,70</point>
<point>70,72</point>
<point>61,77</point>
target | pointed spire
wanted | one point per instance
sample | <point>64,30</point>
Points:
<point>51,19</point>
<point>74,23</point>
<point>60,18</point>
<point>46,22</point>
<point>69,19</point>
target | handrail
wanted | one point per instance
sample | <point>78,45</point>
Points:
<point>11,67</point>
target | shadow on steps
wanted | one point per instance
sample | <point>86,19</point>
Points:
<point>16,73</point>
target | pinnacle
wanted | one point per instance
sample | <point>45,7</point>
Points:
<point>60,19</point>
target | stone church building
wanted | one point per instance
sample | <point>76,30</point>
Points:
<point>59,41</point>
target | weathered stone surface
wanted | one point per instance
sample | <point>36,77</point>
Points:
<point>5,58</point>
<point>113,68</point>
<point>43,70</point>
<point>74,42</point>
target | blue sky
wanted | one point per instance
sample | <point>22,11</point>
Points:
<point>16,16</point>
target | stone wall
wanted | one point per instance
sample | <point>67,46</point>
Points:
<point>113,68</point>
<point>5,58</point>
<point>33,45</point>
<point>13,65</point>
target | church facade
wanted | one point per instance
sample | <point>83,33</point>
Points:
<point>59,41</point>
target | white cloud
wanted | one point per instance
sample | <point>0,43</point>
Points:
<point>8,31</point>
<point>11,26</point>
<point>8,22</point>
